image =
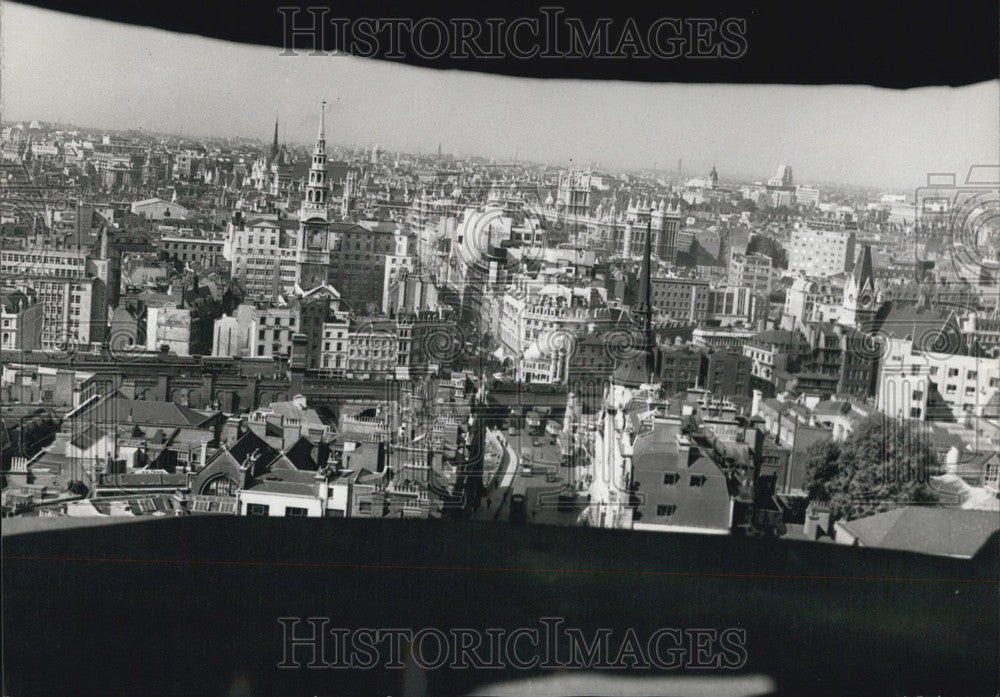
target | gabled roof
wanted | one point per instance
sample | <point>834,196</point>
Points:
<point>300,455</point>
<point>918,322</point>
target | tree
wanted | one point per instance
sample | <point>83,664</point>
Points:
<point>761,244</point>
<point>885,463</point>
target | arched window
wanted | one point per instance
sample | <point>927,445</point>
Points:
<point>221,485</point>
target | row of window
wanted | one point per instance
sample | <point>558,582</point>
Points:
<point>695,480</point>
<point>264,509</point>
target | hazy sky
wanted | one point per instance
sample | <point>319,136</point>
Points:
<point>94,73</point>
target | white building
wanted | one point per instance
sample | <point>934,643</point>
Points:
<point>820,252</point>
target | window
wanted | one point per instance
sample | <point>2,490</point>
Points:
<point>915,413</point>
<point>950,389</point>
<point>257,509</point>
<point>952,372</point>
<point>293,512</point>
<point>670,478</point>
<point>918,395</point>
<point>698,480</point>
<point>971,375</point>
<point>664,511</point>
<point>365,507</point>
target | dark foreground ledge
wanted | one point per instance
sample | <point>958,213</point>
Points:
<point>190,606</point>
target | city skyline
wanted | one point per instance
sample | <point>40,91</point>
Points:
<point>847,134</point>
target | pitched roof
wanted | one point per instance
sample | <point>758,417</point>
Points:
<point>286,481</point>
<point>926,529</point>
<point>655,454</point>
<point>118,408</point>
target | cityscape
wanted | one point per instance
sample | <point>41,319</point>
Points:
<point>219,327</point>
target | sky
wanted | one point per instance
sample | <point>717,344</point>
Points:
<point>59,67</point>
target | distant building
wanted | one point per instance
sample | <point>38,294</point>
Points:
<point>806,196</point>
<point>682,367</point>
<point>157,209</point>
<point>820,252</point>
<point>728,374</point>
<point>753,271</point>
<point>22,319</point>
<point>680,298</point>
<point>736,306</point>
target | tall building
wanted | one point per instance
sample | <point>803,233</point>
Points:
<point>573,195</point>
<point>752,271</point>
<point>65,281</point>
<point>781,187</point>
<point>263,255</point>
<point>820,252</point>
<point>783,177</point>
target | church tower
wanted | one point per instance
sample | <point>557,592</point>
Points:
<point>860,293</point>
<point>314,204</point>
<point>313,255</point>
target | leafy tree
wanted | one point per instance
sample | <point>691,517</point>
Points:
<point>761,244</point>
<point>885,463</point>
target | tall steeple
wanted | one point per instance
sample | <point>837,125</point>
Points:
<point>314,246</point>
<point>315,203</point>
<point>860,292</point>
<point>274,145</point>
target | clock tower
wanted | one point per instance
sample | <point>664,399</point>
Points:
<point>861,298</point>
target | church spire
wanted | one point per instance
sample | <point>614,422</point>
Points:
<point>274,145</point>
<point>860,292</point>
<point>316,190</point>
<point>862,274</point>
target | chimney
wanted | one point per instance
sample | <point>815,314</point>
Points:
<point>755,408</point>
<point>951,460</point>
<point>684,450</point>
